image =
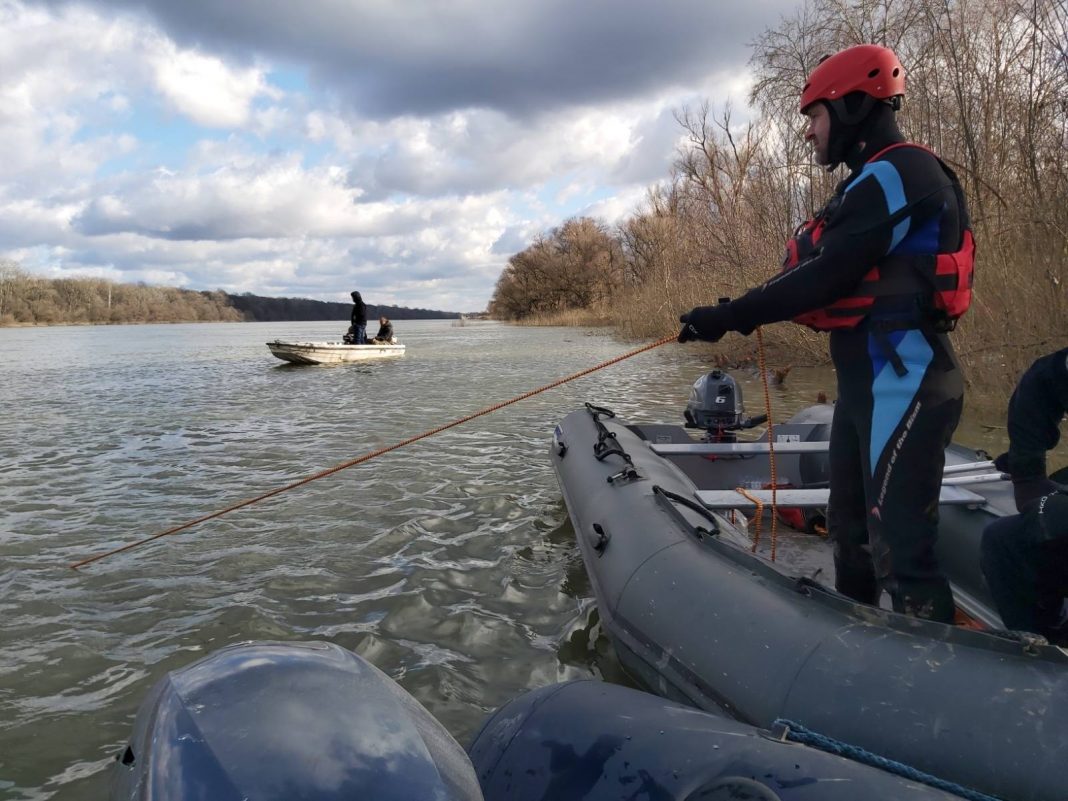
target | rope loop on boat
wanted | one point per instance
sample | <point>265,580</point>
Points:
<point>758,516</point>
<point>783,729</point>
<point>375,453</point>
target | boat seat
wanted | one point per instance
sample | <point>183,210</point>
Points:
<point>813,498</point>
<point>662,433</point>
<point>739,448</point>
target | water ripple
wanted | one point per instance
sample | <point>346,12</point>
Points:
<point>449,564</point>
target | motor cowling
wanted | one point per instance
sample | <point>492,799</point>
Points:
<point>715,403</point>
<point>280,721</point>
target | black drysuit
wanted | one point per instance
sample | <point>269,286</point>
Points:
<point>1036,408</point>
<point>900,390</point>
<point>1025,556</point>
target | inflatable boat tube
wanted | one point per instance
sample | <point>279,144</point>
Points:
<point>698,617</point>
<point>594,741</point>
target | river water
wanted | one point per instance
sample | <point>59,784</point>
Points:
<point>450,563</point>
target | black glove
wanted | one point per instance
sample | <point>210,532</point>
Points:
<point>1032,485</point>
<point>1030,491</point>
<point>704,322</point>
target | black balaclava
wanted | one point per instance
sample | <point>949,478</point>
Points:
<point>860,125</point>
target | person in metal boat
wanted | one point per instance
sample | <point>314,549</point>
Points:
<point>385,332</point>
<point>1025,556</point>
<point>359,320</point>
<point>886,268</point>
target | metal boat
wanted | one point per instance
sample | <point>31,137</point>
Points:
<point>332,352</point>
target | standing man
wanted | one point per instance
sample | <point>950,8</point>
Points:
<point>886,267</point>
<point>359,319</point>
<point>1025,556</point>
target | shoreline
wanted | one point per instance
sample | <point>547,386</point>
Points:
<point>82,324</point>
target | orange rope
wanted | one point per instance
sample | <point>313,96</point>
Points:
<point>368,456</point>
<point>771,446</point>
<point>758,517</point>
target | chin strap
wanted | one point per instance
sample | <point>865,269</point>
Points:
<point>847,127</point>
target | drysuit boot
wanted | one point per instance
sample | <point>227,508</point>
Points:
<point>854,573</point>
<point>929,599</point>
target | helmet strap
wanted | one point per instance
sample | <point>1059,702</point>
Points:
<point>851,116</point>
<point>847,117</point>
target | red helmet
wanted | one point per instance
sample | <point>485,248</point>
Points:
<point>867,68</point>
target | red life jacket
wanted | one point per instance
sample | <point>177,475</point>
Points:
<point>946,277</point>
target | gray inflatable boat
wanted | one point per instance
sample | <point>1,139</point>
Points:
<point>593,741</point>
<point>697,615</point>
<point>289,721</point>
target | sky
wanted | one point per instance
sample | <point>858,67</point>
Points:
<point>405,148</point>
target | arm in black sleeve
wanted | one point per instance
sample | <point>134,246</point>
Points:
<point>1036,409</point>
<point>904,189</point>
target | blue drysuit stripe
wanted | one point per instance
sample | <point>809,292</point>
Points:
<point>923,240</point>
<point>889,180</point>
<point>892,395</point>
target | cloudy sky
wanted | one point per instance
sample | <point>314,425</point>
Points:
<point>306,148</point>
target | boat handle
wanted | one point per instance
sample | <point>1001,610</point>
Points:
<point>628,473</point>
<point>601,538</point>
<point>558,441</point>
<point>668,499</point>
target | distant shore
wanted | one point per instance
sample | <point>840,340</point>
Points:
<point>84,323</point>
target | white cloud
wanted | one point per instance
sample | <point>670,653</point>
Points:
<point>204,88</point>
<point>412,159</point>
<point>615,209</point>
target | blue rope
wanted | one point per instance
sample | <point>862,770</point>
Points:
<point>798,733</point>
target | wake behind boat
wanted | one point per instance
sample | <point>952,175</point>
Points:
<point>333,352</point>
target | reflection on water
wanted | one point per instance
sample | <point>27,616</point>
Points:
<point>449,564</point>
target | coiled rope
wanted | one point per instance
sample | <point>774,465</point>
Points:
<point>368,456</point>
<point>798,733</point>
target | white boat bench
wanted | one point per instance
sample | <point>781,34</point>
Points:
<point>737,448</point>
<point>813,498</point>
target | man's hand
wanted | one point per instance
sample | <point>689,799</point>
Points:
<point>1029,492</point>
<point>703,322</point>
<point>1029,489</point>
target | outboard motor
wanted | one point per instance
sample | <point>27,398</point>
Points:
<point>278,721</point>
<point>716,406</point>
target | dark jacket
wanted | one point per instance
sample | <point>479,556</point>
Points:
<point>385,332</point>
<point>1035,411</point>
<point>359,310</point>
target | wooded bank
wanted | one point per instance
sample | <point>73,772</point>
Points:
<point>987,88</point>
<point>29,300</point>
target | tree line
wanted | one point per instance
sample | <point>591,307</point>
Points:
<point>29,299</point>
<point>261,309</point>
<point>25,298</point>
<point>987,89</point>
